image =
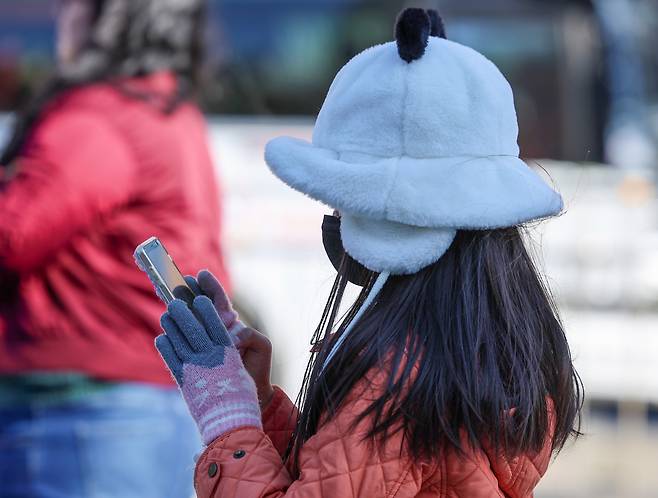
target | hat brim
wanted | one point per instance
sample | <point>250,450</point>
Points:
<point>451,192</point>
<point>382,245</point>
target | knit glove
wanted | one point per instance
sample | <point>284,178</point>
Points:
<point>206,284</point>
<point>196,346</point>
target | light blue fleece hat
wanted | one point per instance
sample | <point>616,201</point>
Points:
<point>416,139</point>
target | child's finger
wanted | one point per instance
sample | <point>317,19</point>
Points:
<point>209,283</point>
<point>178,341</point>
<point>211,287</point>
<point>211,321</point>
<point>190,326</point>
<point>194,285</point>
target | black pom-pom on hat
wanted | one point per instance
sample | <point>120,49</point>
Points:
<point>436,23</point>
<point>412,30</point>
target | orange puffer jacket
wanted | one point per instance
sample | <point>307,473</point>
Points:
<point>336,463</point>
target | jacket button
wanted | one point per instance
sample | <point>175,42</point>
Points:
<point>212,469</point>
<point>239,454</point>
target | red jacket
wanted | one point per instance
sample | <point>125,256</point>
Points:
<point>100,173</point>
<point>336,462</point>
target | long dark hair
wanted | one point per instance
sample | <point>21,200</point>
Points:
<point>484,333</point>
<point>128,38</point>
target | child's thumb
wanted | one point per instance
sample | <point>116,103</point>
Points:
<point>248,338</point>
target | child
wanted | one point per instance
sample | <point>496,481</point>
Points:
<point>451,374</point>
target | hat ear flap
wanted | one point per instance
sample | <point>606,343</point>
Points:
<point>412,30</point>
<point>437,27</point>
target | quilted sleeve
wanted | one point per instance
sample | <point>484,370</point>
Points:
<point>279,420</point>
<point>518,476</point>
<point>335,462</point>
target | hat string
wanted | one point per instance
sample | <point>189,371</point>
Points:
<point>376,288</point>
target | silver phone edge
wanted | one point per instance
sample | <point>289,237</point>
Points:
<point>154,276</point>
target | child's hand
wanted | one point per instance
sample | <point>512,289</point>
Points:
<point>256,352</point>
<point>255,348</point>
<point>219,392</point>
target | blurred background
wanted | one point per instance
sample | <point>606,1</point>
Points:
<point>585,77</point>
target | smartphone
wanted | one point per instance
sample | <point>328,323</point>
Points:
<point>153,259</point>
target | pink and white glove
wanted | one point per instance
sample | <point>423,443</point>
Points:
<point>197,348</point>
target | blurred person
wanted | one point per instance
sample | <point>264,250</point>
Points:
<point>451,374</point>
<point>112,151</point>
